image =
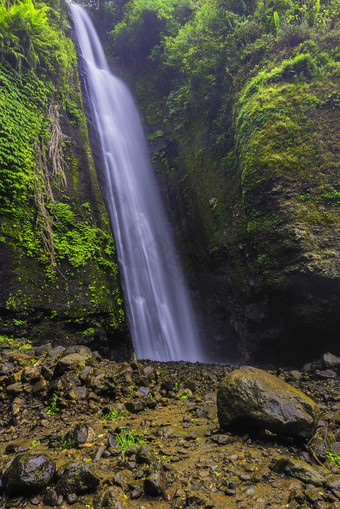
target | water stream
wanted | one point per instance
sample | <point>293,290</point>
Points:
<point>157,301</point>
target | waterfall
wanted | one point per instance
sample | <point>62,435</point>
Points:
<point>157,301</point>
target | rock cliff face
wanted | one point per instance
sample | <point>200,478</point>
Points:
<point>59,274</point>
<point>249,167</point>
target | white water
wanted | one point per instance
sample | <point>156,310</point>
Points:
<point>159,310</point>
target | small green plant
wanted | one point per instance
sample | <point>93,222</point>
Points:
<point>34,444</point>
<point>28,362</point>
<point>88,332</point>
<point>334,457</point>
<point>67,443</point>
<point>113,415</point>
<point>53,408</point>
<point>128,437</point>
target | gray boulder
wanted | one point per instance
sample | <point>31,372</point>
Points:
<point>27,474</point>
<point>250,398</point>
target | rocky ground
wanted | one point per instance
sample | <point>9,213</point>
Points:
<point>78,430</point>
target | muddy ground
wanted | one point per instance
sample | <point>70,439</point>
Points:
<point>168,409</point>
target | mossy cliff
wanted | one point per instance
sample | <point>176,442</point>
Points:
<point>241,103</point>
<point>59,276</point>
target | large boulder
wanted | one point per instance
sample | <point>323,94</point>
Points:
<point>250,398</point>
<point>28,473</point>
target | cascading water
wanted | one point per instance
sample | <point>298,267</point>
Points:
<point>158,305</point>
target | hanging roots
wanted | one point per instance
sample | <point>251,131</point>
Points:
<point>55,150</point>
<point>45,173</point>
<point>43,190</point>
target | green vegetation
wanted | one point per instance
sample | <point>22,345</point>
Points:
<point>53,407</point>
<point>128,437</point>
<point>334,457</point>
<point>61,245</point>
<point>113,415</point>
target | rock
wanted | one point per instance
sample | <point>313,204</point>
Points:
<point>17,447</point>
<point>110,498</point>
<point>77,393</point>
<point>82,433</point>
<point>199,499</point>
<point>298,469</point>
<point>124,479</point>
<point>39,387</point>
<point>144,455</point>
<point>31,374</point>
<point>333,482</point>
<point>28,474</point>
<point>76,478</point>
<point>71,498</point>
<point>156,483</point>
<point>14,388</point>
<point>79,349</point>
<point>326,373</point>
<point>135,406</point>
<point>52,499</point>
<point>335,448</point>
<point>58,350</point>
<point>71,361</point>
<point>45,348</point>
<point>331,361</point>
<point>249,397</point>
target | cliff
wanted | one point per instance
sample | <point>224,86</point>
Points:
<point>59,276</point>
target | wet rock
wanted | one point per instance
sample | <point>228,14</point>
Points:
<point>28,474</point>
<point>17,447</point>
<point>58,350</point>
<point>45,348</point>
<point>298,469</point>
<point>110,498</point>
<point>333,482</point>
<point>76,478</point>
<point>135,407</point>
<point>318,444</point>
<point>124,479</point>
<point>14,388</point>
<point>31,374</point>
<point>52,499</point>
<point>78,393</point>
<point>39,387</point>
<point>71,361</point>
<point>82,433</point>
<point>199,499</point>
<point>331,361</point>
<point>325,374</point>
<point>144,455</point>
<point>17,405</point>
<point>71,498</point>
<point>156,483</point>
<point>249,397</point>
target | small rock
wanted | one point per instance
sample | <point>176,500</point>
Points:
<point>51,498</point>
<point>135,406</point>
<point>58,350</point>
<point>28,474</point>
<point>124,479</point>
<point>331,361</point>
<point>72,361</point>
<point>299,469</point>
<point>144,455</point>
<point>326,373</point>
<point>82,433</point>
<point>76,478</point>
<point>156,483</point>
<point>16,448</point>
<point>77,393</point>
<point>14,388</point>
<point>110,498</point>
<point>71,498</point>
<point>39,387</point>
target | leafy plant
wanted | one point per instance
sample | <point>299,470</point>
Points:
<point>128,437</point>
<point>34,444</point>
<point>53,408</point>
<point>333,457</point>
